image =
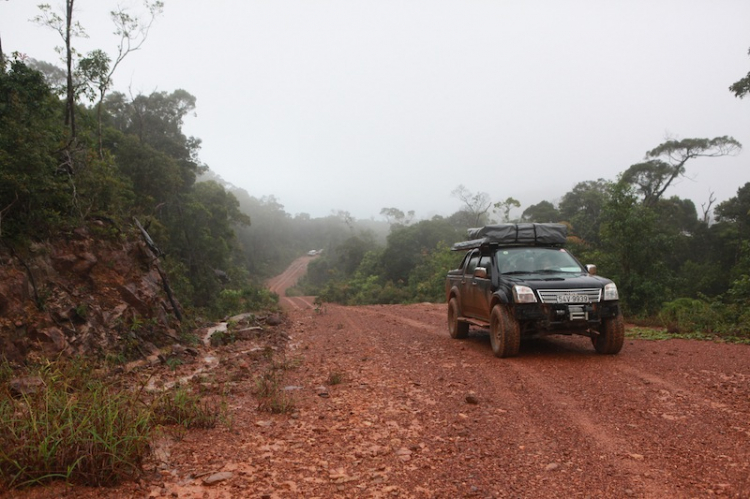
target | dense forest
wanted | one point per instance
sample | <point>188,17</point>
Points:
<point>129,160</point>
<point>686,270</point>
<point>74,150</point>
<point>87,167</point>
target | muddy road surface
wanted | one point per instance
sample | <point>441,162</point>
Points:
<point>385,404</point>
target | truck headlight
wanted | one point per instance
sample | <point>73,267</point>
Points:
<point>610,292</point>
<point>524,294</point>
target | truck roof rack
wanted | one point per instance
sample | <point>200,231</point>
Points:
<point>528,234</point>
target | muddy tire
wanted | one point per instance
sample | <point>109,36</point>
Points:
<point>611,336</point>
<point>457,329</point>
<point>505,333</point>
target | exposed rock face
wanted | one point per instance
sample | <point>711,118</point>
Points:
<point>81,295</point>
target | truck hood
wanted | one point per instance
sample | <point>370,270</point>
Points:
<point>561,280</point>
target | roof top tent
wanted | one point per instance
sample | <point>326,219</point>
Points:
<point>530,234</point>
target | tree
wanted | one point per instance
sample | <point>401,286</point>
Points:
<point>269,244</point>
<point>634,251</point>
<point>202,236</point>
<point>504,207</point>
<point>476,205</point>
<point>542,212</point>
<point>350,253</point>
<point>97,68</point>
<point>736,212</point>
<point>394,216</point>
<point>156,121</point>
<point>736,209</point>
<point>67,29</point>
<point>677,215</point>
<point>582,208</point>
<point>33,196</point>
<point>706,207</point>
<point>345,217</point>
<point>741,87</point>
<point>427,279</point>
<point>156,177</point>
<point>655,175</point>
<point>408,246</point>
<point>55,77</point>
<point>649,177</point>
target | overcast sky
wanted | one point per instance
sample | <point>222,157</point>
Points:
<point>360,105</point>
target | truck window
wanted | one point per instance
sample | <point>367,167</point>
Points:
<point>486,262</point>
<point>472,264</point>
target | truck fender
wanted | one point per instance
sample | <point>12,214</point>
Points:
<point>499,296</point>
<point>454,292</point>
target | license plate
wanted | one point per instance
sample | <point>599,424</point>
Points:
<point>572,299</point>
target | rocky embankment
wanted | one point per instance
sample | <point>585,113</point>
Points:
<point>83,295</point>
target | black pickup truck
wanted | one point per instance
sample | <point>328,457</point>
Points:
<point>519,281</point>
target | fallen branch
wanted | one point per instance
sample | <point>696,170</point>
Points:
<point>165,282</point>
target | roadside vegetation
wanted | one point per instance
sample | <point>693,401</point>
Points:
<point>67,421</point>
<point>685,274</point>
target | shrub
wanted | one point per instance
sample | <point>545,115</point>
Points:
<point>182,407</point>
<point>250,298</point>
<point>75,428</point>
<point>689,315</point>
<point>79,428</point>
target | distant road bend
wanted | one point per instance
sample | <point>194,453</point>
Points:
<point>289,278</point>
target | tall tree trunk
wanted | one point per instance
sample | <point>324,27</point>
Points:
<point>2,57</point>
<point>70,119</point>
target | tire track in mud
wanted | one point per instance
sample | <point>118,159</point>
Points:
<point>300,302</point>
<point>563,413</point>
<point>697,424</point>
<point>450,425</point>
<point>632,431</point>
<point>527,398</point>
<point>281,282</point>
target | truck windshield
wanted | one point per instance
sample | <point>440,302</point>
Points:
<point>536,260</point>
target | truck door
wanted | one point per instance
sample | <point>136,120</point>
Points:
<point>483,289</point>
<point>468,286</point>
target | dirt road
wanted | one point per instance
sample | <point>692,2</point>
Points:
<point>417,414</point>
<point>444,418</point>
<point>289,278</point>
<point>386,404</point>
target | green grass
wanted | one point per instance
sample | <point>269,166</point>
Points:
<point>335,378</point>
<point>81,431</point>
<point>272,397</point>
<point>182,407</point>
<point>81,428</point>
<point>659,334</point>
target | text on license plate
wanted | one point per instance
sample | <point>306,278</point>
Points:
<point>572,299</point>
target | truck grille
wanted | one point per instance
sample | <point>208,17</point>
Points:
<point>581,295</point>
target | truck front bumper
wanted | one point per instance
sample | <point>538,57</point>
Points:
<point>542,316</point>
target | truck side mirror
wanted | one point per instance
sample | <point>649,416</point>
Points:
<point>480,272</point>
<point>591,268</point>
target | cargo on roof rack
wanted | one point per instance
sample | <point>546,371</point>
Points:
<point>534,234</point>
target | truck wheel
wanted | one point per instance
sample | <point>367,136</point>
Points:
<point>611,336</point>
<point>505,333</point>
<point>457,329</point>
